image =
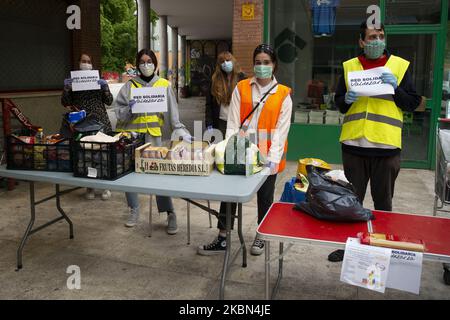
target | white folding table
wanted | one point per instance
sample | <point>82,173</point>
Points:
<point>216,187</point>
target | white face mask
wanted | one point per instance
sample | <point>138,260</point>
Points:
<point>227,66</point>
<point>85,66</point>
<point>147,69</point>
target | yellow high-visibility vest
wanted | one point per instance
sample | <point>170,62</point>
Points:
<point>145,123</point>
<point>378,120</point>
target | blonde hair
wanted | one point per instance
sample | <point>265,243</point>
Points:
<point>221,89</point>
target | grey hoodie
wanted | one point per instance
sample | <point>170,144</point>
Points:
<point>124,115</point>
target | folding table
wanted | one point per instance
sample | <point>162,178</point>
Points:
<point>285,224</point>
<point>215,187</point>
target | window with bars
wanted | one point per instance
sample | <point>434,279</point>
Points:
<point>35,46</point>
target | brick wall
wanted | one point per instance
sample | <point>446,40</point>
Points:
<point>247,34</point>
<point>88,38</point>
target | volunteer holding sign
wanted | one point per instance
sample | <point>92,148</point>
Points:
<point>92,100</point>
<point>150,122</point>
<point>371,134</point>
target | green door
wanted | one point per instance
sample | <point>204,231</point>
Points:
<point>423,44</point>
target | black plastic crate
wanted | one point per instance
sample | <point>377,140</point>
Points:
<point>42,157</point>
<point>107,161</point>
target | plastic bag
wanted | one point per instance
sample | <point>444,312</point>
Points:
<point>238,156</point>
<point>337,175</point>
<point>86,126</point>
<point>290,194</point>
<point>319,164</point>
<point>332,200</point>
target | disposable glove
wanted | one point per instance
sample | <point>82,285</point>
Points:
<point>272,166</point>
<point>103,83</point>
<point>350,97</point>
<point>68,83</point>
<point>390,79</point>
<point>131,103</point>
<point>187,138</point>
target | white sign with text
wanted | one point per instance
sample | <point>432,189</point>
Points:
<point>83,80</point>
<point>365,266</point>
<point>149,99</point>
<point>405,271</point>
<point>368,83</point>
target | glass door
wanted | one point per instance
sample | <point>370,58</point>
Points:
<point>417,33</point>
<point>420,51</point>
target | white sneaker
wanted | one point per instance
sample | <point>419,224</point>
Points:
<point>133,218</point>
<point>106,194</point>
<point>90,194</point>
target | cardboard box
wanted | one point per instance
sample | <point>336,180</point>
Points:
<point>175,166</point>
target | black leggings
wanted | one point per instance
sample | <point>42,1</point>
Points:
<point>264,198</point>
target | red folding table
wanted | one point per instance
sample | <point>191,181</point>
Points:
<point>285,224</point>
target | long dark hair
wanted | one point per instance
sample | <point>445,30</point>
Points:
<point>268,49</point>
<point>149,53</point>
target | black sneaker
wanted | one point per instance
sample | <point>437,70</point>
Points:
<point>219,245</point>
<point>336,256</point>
<point>257,247</point>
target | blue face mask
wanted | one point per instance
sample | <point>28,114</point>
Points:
<point>227,66</point>
<point>374,49</point>
<point>263,72</point>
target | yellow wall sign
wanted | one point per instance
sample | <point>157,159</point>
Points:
<point>248,11</point>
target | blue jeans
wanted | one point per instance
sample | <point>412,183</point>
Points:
<point>164,203</point>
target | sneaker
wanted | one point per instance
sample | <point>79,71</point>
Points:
<point>257,247</point>
<point>171,223</point>
<point>106,194</point>
<point>133,218</point>
<point>219,245</point>
<point>90,194</point>
<point>336,256</point>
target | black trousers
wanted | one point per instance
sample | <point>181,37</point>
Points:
<point>264,199</point>
<point>382,173</point>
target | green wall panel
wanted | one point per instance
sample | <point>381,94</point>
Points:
<point>314,141</point>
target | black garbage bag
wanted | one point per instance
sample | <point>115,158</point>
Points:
<point>331,200</point>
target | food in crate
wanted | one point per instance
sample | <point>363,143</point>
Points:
<point>154,152</point>
<point>105,156</point>
<point>178,151</point>
<point>176,157</point>
<point>51,152</point>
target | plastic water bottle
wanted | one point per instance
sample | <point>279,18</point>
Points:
<point>40,136</point>
<point>249,161</point>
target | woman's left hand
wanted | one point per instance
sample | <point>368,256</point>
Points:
<point>272,166</point>
<point>103,83</point>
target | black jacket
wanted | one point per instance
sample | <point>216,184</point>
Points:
<point>405,98</point>
<point>212,111</point>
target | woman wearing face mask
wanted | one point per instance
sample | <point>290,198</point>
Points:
<point>93,102</point>
<point>149,124</point>
<point>268,127</point>
<point>226,75</point>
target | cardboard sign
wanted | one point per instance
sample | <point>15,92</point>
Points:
<point>368,83</point>
<point>176,167</point>
<point>149,99</point>
<point>83,80</point>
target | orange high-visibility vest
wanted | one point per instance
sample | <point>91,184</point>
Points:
<point>268,118</point>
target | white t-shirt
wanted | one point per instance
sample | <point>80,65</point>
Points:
<point>224,109</point>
